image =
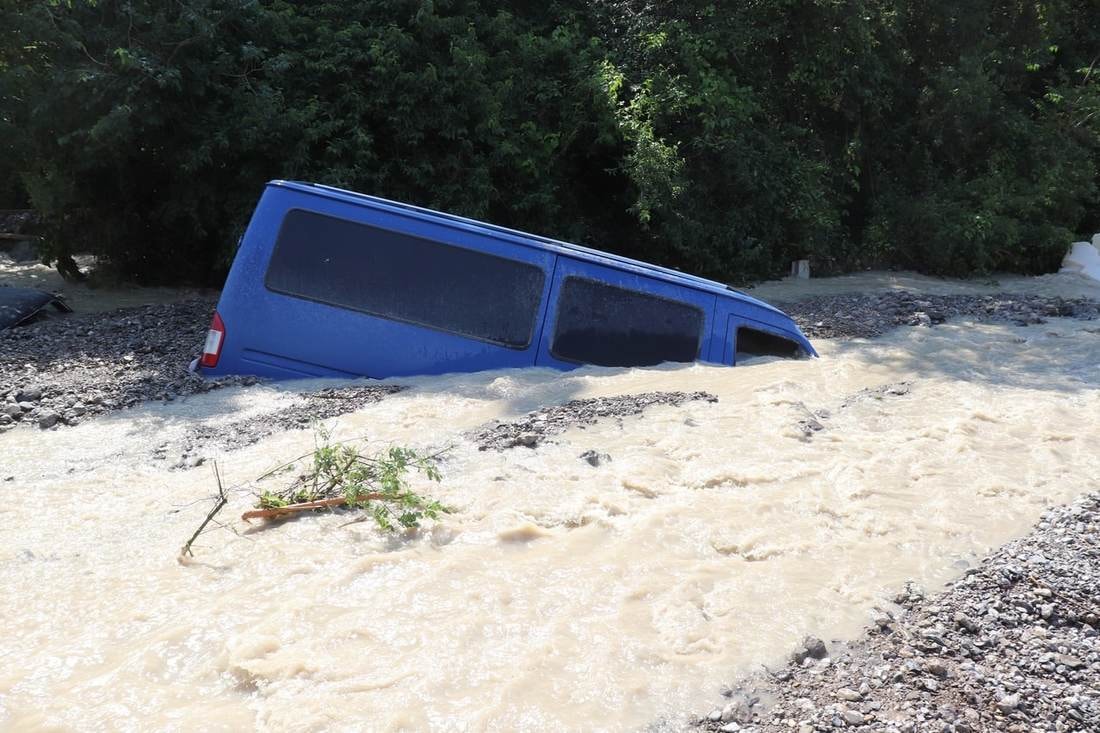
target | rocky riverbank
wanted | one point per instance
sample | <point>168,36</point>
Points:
<point>1013,646</point>
<point>869,315</point>
<point>64,370</point>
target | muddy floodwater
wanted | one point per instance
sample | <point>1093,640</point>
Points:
<point>559,596</point>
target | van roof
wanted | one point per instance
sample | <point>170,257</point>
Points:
<point>525,239</point>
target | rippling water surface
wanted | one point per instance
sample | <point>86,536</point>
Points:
<point>559,596</point>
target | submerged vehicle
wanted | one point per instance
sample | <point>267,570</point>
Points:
<point>332,283</point>
<point>21,305</point>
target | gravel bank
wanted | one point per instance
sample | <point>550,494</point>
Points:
<point>1011,646</point>
<point>63,370</point>
<point>535,427</point>
<point>867,316</point>
<point>308,409</point>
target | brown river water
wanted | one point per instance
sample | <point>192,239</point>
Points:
<point>559,596</point>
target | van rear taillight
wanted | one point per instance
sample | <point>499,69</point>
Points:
<point>215,339</point>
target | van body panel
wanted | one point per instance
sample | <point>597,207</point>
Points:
<point>731,315</point>
<point>292,306</point>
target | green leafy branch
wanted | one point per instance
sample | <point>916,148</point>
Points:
<point>340,475</point>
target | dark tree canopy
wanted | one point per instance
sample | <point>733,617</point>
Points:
<point>725,139</point>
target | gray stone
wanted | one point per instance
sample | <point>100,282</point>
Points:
<point>48,419</point>
<point>815,647</point>
<point>13,411</point>
<point>882,620</point>
<point>853,717</point>
<point>966,622</point>
<point>527,439</point>
<point>592,458</point>
<point>848,694</point>
<point>1067,660</point>
<point>32,394</point>
<point>935,667</point>
<point>1007,703</point>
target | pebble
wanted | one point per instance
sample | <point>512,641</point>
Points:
<point>853,717</point>
<point>935,667</point>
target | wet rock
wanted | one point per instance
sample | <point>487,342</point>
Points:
<point>594,458</point>
<point>528,440</point>
<point>812,649</point>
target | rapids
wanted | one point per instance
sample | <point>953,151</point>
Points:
<point>559,596</point>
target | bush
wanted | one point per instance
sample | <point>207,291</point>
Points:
<point>724,139</point>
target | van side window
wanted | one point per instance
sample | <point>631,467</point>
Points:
<point>611,326</point>
<point>751,342</point>
<point>406,278</point>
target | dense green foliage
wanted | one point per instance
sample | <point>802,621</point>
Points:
<point>724,138</point>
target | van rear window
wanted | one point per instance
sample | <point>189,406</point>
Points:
<point>405,278</point>
<point>611,326</point>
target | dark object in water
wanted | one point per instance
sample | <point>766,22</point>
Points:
<point>18,305</point>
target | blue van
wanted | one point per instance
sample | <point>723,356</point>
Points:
<point>331,283</point>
